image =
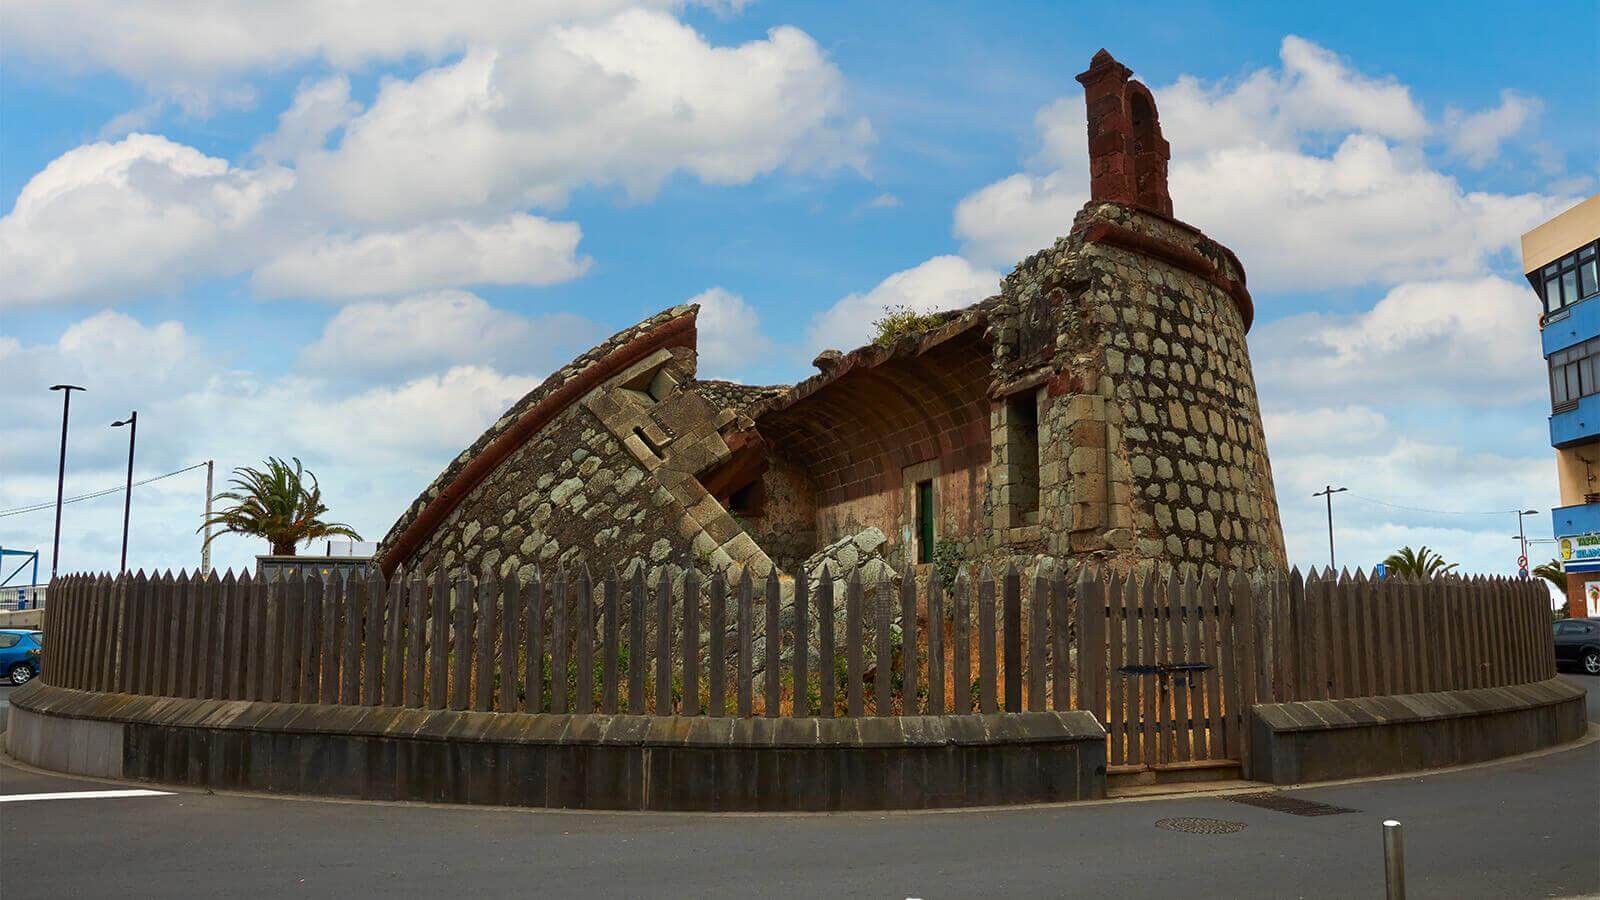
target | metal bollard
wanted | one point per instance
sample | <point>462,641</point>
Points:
<point>1394,861</point>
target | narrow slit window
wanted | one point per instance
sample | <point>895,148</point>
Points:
<point>1022,452</point>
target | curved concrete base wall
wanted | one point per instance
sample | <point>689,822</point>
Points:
<point>1321,740</point>
<point>576,761</point>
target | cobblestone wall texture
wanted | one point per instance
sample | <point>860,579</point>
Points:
<point>1151,444</point>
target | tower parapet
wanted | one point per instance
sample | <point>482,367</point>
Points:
<point>1127,154</point>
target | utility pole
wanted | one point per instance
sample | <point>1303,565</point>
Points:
<point>1328,491</point>
<point>61,472</point>
<point>205,543</point>
<point>132,421</point>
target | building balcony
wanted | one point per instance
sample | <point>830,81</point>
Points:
<point>1571,326</point>
<point>1577,423</point>
<point>1570,521</point>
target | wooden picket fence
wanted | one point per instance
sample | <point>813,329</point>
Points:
<point>1170,663</point>
<point>457,642</point>
<point>1334,636</point>
<point>1174,668</point>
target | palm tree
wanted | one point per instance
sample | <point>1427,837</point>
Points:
<point>1422,563</point>
<point>276,504</point>
<point>1551,572</point>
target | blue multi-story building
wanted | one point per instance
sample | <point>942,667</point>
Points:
<point>1562,261</point>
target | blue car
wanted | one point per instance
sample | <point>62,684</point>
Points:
<point>19,654</point>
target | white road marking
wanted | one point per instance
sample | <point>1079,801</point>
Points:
<point>83,795</point>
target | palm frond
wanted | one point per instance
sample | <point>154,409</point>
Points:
<point>280,502</point>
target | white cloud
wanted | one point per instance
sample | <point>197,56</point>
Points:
<point>519,249</point>
<point>190,46</point>
<point>624,102</point>
<point>140,118</point>
<point>1426,407</point>
<point>1343,429</point>
<point>430,186</point>
<point>1252,166</point>
<point>1476,137</point>
<point>1404,489</point>
<point>319,108</point>
<point>432,331</point>
<point>730,335</point>
<point>128,218</point>
<point>1322,91</point>
<point>1368,213</point>
<point>941,283</point>
<point>455,406</point>
<point>1473,342</point>
<point>1020,214</point>
<point>119,359</point>
<point>373,448</point>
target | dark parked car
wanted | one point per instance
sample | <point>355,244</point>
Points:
<point>1578,643</point>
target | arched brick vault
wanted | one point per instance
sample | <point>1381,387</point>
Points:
<point>854,430</point>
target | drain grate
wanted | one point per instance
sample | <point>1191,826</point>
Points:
<point>1294,806</point>
<point>1196,825</point>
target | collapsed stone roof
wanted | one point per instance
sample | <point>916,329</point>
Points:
<point>670,327</point>
<point>741,398</point>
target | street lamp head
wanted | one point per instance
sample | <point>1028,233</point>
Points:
<point>1529,512</point>
<point>128,421</point>
<point>66,387</point>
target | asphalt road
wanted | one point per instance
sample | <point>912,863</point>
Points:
<point>1521,829</point>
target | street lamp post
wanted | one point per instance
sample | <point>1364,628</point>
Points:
<point>1522,537</point>
<point>132,421</point>
<point>61,472</point>
<point>1328,491</point>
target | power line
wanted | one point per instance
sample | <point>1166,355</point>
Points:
<point>17,511</point>
<point>1438,512</point>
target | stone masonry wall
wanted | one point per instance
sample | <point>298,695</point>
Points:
<point>787,529</point>
<point>572,495</point>
<point>1155,450</point>
<point>564,376</point>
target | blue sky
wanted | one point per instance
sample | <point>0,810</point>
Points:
<point>356,236</point>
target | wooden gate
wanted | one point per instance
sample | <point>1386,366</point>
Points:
<point>1172,662</point>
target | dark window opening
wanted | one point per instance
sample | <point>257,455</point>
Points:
<point>1574,374</point>
<point>749,501</point>
<point>1022,451</point>
<point>1143,121</point>
<point>925,522</point>
<point>1569,279</point>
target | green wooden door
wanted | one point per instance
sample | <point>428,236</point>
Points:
<point>925,521</point>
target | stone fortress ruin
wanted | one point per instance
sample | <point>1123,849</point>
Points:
<point>1100,407</point>
<point>1084,434</point>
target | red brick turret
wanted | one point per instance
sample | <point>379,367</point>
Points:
<point>1127,154</point>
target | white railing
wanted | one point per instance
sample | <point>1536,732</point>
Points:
<point>23,596</point>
